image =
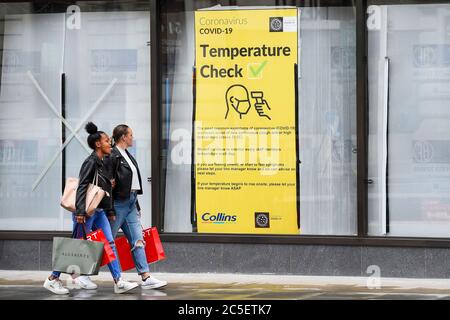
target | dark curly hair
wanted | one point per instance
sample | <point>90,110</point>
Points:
<point>94,134</point>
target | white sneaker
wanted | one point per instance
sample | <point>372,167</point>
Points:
<point>153,283</point>
<point>85,283</point>
<point>123,286</point>
<point>55,286</point>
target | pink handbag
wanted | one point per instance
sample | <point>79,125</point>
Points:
<point>94,195</point>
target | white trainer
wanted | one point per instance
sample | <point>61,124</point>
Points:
<point>85,283</point>
<point>55,286</point>
<point>153,283</point>
<point>123,286</point>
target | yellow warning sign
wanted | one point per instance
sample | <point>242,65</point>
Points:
<point>245,121</point>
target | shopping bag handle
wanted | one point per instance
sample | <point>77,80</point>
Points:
<point>76,229</point>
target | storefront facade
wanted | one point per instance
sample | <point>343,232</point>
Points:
<point>370,131</point>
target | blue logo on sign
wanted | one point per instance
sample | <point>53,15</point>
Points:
<point>219,218</point>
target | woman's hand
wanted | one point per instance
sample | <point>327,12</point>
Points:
<point>112,218</point>
<point>81,219</point>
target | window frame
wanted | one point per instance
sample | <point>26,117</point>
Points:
<point>360,239</point>
<point>362,208</point>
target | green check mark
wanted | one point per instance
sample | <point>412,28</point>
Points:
<point>256,72</point>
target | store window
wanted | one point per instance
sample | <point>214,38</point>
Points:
<point>325,122</point>
<point>62,66</point>
<point>409,157</point>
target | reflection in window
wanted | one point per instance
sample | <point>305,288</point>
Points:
<point>327,121</point>
<point>106,63</point>
<point>409,151</point>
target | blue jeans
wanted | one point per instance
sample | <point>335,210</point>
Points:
<point>98,221</point>
<point>127,218</point>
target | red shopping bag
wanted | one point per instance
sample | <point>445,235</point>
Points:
<point>153,249</point>
<point>108,253</point>
<point>124,251</point>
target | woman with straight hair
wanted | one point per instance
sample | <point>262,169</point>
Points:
<point>100,143</point>
<point>128,184</point>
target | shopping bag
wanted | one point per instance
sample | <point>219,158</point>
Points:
<point>124,251</point>
<point>153,249</point>
<point>76,256</point>
<point>108,253</point>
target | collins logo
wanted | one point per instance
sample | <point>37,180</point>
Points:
<point>219,218</point>
<point>262,220</point>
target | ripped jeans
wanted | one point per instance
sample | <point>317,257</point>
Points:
<point>127,218</point>
<point>98,221</point>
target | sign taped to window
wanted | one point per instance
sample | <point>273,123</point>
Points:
<point>245,150</point>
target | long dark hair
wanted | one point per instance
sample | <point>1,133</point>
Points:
<point>119,131</point>
<point>94,134</point>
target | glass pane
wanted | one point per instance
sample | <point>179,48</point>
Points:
<point>107,67</point>
<point>103,50</point>
<point>30,131</point>
<point>327,119</point>
<point>327,116</point>
<point>409,162</point>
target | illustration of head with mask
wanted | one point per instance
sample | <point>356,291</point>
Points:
<point>237,99</point>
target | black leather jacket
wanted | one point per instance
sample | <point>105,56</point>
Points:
<point>123,175</point>
<point>87,173</point>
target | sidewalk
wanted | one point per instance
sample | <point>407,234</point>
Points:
<point>26,285</point>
